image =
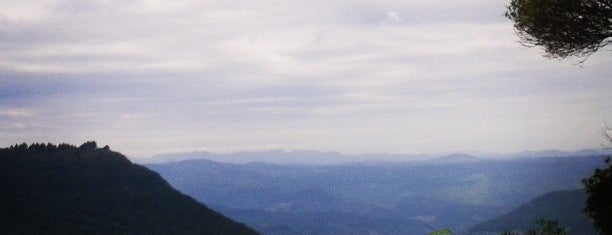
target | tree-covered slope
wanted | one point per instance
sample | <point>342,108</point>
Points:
<point>48,189</point>
<point>564,206</point>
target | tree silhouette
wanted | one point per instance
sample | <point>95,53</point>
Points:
<point>564,28</point>
<point>599,200</point>
<point>546,227</point>
<point>599,191</point>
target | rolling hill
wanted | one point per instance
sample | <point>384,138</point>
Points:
<point>377,198</point>
<point>563,206</point>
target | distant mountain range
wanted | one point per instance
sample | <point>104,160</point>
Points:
<point>281,157</point>
<point>453,158</point>
<point>564,206</point>
<point>455,191</point>
<point>329,158</point>
<point>48,189</point>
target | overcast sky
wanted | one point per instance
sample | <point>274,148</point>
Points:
<point>405,76</point>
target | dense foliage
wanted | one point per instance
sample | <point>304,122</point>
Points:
<point>444,231</point>
<point>599,201</point>
<point>48,189</point>
<point>563,28</point>
<point>545,227</point>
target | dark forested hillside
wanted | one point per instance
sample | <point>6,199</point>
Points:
<point>564,206</point>
<point>48,189</point>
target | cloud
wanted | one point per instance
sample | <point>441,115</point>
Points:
<point>393,17</point>
<point>354,76</point>
<point>15,113</point>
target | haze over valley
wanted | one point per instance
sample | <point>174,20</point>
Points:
<point>384,117</point>
<point>409,197</point>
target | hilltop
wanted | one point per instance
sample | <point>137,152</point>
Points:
<point>49,189</point>
<point>564,206</point>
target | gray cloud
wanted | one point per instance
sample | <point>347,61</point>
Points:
<point>353,76</point>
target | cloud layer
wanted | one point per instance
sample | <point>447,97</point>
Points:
<point>356,76</point>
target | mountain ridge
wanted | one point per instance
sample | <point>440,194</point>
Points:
<point>307,157</point>
<point>63,189</point>
<point>400,198</point>
<point>564,206</point>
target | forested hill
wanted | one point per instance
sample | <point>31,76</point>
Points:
<point>48,189</point>
<point>564,206</point>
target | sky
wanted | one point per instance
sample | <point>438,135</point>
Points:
<point>152,76</point>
